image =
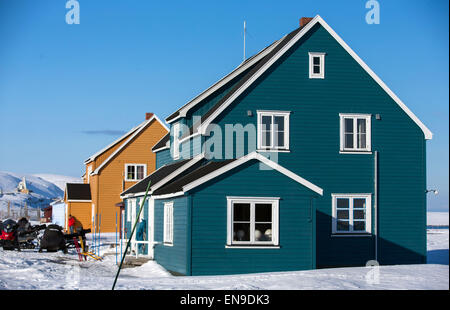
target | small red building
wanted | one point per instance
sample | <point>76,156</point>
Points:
<point>47,218</point>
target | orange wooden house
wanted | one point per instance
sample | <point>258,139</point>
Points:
<point>109,172</point>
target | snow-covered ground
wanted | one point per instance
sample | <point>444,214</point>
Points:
<point>32,270</point>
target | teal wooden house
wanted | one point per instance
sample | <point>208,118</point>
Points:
<point>300,158</point>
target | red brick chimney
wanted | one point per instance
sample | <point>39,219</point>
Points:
<point>305,20</point>
<point>148,116</point>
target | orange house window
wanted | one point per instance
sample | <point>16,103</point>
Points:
<point>135,172</point>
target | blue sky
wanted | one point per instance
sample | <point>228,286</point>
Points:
<point>67,91</point>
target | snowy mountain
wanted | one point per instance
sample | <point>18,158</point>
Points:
<point>58,180</point>
<point>44,188</point>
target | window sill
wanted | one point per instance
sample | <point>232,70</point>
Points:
<point>351,235</point>
<point>250,246</point>
<point>274,150</point>
<point>167,244</point>
<point>355,152</point>
<point>316,77</point>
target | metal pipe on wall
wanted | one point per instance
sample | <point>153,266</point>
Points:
<point>375,203</point>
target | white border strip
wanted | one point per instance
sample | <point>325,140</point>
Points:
<point>244,159</point>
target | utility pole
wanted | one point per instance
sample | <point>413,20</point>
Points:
<point>26,210</point>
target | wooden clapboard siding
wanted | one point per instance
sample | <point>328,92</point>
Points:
<point>163,157</point>
<point>81,211</point>
<point>209,226</point>
<point>173,258</point>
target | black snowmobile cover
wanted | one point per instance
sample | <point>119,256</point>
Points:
<point>53,238</point>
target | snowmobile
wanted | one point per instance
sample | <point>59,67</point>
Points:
<point>26,233</point>
<point>19,235</point>
<point>53,239</point>
<point>8,237</point>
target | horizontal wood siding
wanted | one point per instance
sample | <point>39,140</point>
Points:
<point>209,226</point>
<point>173,258</point>
<point>81,211</point>
<point>315,105</point>
<point>162,158</point>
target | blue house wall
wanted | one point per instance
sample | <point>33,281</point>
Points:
<point>174,257</point>
<point>162,158</point>
<point>209,223</point>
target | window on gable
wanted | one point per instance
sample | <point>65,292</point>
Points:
<point>252,221</point>
<point>351,213</point>
<point>273,130</point>
<point>316,65</point>
<point>355,132</point>
<point>168,223</point>
<point>135,172</point>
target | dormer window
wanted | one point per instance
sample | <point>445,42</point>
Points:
<point>316,65</point>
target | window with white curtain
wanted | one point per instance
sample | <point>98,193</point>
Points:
<point>252,221</point>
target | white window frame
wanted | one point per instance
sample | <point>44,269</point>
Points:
<point>135,172</point>
<point>252,201</point>
<point>313,75</point>
<point>168,224</point>
<point>355,117</point>
<point>368,214</point>
<point>176,141</point>
<point>272,147</point>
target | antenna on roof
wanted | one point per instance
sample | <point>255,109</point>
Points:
<point>244,38</point>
